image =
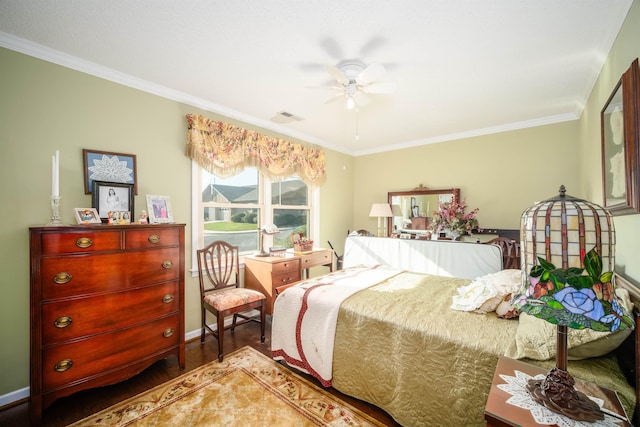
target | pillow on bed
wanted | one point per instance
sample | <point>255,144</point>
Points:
<point>536,338</point>
<point>486,293</point>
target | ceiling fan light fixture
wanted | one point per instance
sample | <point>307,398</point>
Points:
<point>351,103</point>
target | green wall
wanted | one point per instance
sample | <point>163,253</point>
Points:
<point>45,107</point>
<point>501,174</point>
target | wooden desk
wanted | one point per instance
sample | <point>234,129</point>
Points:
<point>264,274</point>
<point>498,413</point>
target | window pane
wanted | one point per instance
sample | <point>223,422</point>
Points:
<point>239,227</point>
<point>222,221</point>
<point>291,191</point>
<point>239,189</point>
<point>290,221</point>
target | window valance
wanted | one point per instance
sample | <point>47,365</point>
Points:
<point>225,150</point>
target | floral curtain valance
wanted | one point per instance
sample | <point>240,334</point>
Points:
<point>226,150</point>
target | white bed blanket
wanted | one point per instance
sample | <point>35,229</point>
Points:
<point>304,317</point>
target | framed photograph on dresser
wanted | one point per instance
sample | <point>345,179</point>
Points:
<point>159,209</point>
<point>112,197</point>
<point>620,127</point>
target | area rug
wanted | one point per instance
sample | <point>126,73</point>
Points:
<point>246,389</point>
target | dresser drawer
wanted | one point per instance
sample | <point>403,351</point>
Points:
<point>82,241</point>
<point>97,355</point>
<point>68,319</point>
<point>85,274</point>
<point>317,258</point>
<point>285,266</point>
<point>284,278</point>
<point>152,237</point>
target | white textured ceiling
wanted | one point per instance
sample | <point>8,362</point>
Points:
<point>462,68</point>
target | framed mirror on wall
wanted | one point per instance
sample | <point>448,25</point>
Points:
<point>620,127</point>
<point>412,209</point>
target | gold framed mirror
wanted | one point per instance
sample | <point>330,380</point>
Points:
<point>412,209</point>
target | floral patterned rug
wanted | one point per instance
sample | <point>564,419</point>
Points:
<point>247,388</point>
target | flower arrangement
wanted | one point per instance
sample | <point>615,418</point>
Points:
<point>452,216</point>
<point>571,298</point>
<point>301,243</point>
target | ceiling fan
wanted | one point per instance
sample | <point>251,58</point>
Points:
<point>355,80</point>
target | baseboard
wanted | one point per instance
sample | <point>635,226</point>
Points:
<point>14,397</point>
<point>23,393</point>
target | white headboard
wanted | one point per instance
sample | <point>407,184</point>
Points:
<point>438,257</point>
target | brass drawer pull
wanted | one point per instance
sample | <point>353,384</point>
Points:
<point>168,332</point>
<point>84,242</point>
<point>62,322</point>
<point>62,278</point>
<point>63,365</point>
<point>167,264</point>
<point>167,298</point>
<point>154,238</point>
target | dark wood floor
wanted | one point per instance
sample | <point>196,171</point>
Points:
<point>82,404</point>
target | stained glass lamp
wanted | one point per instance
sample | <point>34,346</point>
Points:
<point>568,249</point>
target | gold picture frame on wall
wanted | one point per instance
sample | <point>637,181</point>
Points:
<point>619,121</point>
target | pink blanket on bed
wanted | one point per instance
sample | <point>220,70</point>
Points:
<point>304,317</point>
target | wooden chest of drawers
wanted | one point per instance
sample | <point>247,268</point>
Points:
<point>106,302</point>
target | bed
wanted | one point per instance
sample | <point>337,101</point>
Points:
<point>396,343</point>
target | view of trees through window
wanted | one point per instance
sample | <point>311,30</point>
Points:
<point>235,208</point>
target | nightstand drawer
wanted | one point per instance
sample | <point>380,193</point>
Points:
<point>287,266</point>
<point>284,278</point>
<point>317,258</point>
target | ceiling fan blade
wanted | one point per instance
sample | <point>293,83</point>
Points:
<point>380,87</point>
<point>362,100</point>
<point>337,74</point>
<point>372,73</point>
<point>334,98</point>
<point>327,87</point>
<point>332,47</point>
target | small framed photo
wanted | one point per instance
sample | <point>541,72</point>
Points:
<point>119,217</point>
<point>159,209</point>
<point>87,216</point>
<point>112,197</point>
<point>110,167</point>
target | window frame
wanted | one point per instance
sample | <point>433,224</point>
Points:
<point>264,205</point>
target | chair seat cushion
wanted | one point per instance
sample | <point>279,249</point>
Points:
<point>234,297</point>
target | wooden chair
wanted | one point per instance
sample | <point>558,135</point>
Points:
<point>221,294</point>
<point>510,252</point>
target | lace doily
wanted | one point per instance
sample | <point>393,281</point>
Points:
<point>516,387</point>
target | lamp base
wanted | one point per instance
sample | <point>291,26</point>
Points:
<point>557,393</point>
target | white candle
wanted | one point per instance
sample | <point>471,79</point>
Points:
<point>55,190</point>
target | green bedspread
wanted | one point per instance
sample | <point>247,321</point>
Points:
<point>401,347</point>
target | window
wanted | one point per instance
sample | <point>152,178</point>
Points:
<point>233,209</point>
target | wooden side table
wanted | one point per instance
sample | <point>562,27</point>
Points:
<point>313,258</point>
<point>265,273</point>
<point>498,413</point>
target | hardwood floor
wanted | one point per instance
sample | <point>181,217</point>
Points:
<point>82,404</point>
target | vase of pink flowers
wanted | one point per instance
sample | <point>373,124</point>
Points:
<point>452,219</point>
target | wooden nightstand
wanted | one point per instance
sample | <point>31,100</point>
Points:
<point>264,274</point>
<point>498,413</point>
